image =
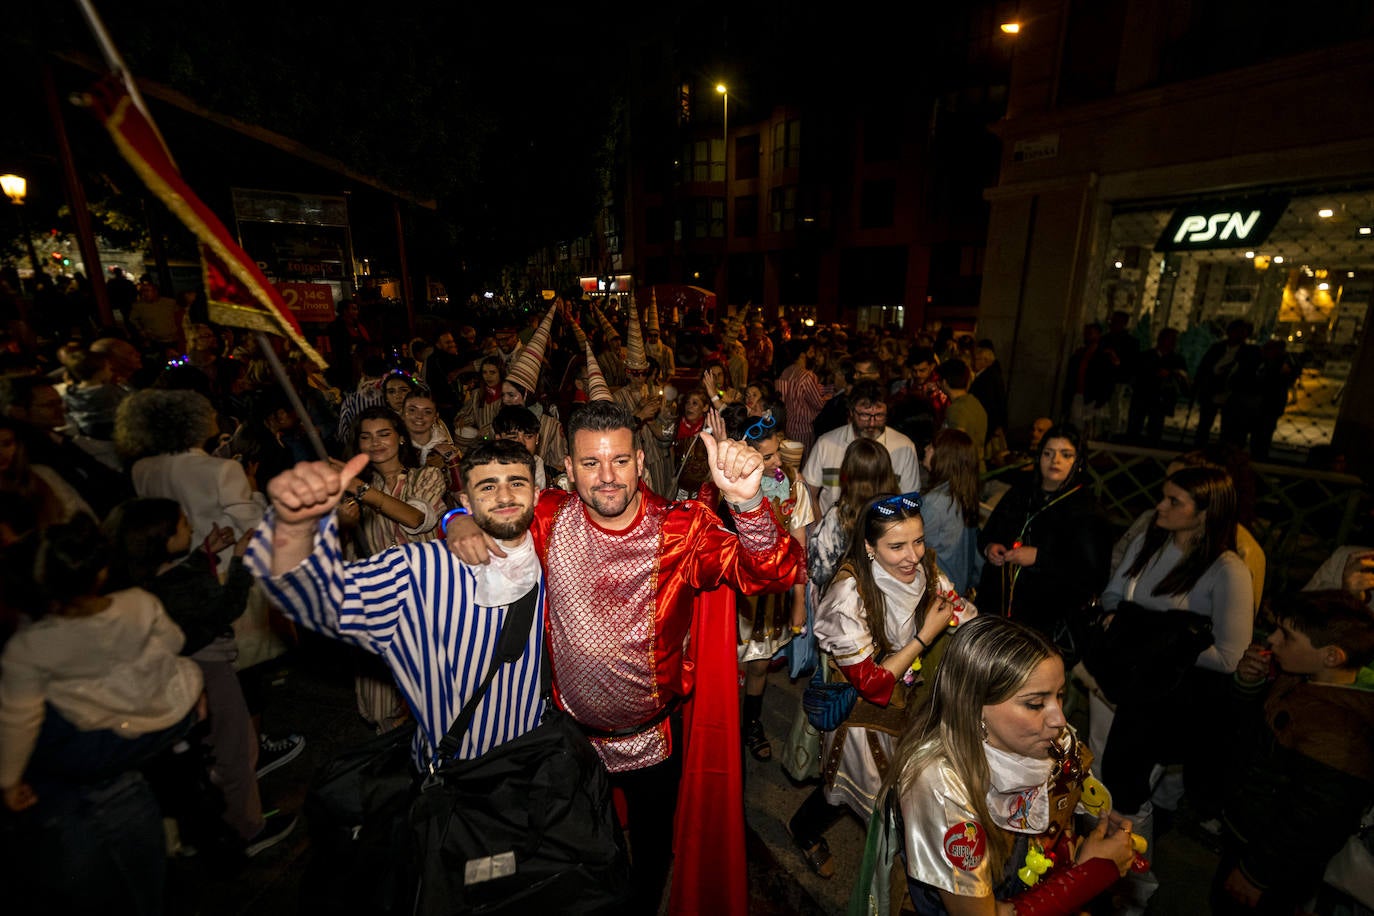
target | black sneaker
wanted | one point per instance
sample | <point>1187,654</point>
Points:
<point>277,752</point>
<point>276,827</point>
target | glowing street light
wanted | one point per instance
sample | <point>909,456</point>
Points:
<point>1011,28</point>
<point>16,188</point>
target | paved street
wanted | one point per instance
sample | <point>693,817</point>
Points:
<point>314,696</point>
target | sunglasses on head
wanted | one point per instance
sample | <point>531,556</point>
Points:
<point>893,504</point>
<point>760,429</point>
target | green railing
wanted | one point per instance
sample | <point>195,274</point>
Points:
<point>1301,515</point>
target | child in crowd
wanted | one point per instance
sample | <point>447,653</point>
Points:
<point>90,692</point>
<point>152,540</point>
<point>1307,775</point>
<point>91,398</point>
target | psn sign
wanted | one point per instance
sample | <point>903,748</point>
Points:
<point>1221,224</point>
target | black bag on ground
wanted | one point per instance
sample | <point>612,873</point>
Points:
<point>1142,653</point>
<point>527,827</point>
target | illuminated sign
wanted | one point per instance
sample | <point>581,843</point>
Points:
<point>1222,224</point>
<point>309,301</point>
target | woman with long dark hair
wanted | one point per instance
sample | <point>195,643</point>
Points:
<point>1185,561</point>
<point>402,500</point>
<point>399,502</point>
<point>1047,546</point>
<point>951,507</point>
<point>988,780</point>
<point>883,611</point>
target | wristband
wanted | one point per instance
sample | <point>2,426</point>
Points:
<point>361,491</point>
<point>925,646</point>
<point>443,522</point>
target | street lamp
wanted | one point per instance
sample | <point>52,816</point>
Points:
<point>16,188</point>
<point>725,120</point>
<point>725,157</point>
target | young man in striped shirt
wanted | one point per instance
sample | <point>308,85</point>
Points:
<point>434,619</point>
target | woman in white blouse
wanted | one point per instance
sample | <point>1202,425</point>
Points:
<point>1185,561</point>
<point>885,608</point>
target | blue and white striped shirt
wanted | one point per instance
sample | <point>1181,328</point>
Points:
<point>415,606</point>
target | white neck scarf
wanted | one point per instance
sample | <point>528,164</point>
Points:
<point>505,579</point>
<point>1018,794</point>
<point>901,600</point>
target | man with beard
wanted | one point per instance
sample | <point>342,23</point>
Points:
<point>642,639</point>
<point>426,613</point>
<point>867,420</point>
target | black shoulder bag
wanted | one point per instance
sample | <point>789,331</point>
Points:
<point>527,825</point>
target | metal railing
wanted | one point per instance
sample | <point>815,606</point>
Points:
<point>1301,515</point>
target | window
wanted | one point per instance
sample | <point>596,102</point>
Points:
<point>878,207</point>
<point>747,155</point>
<point>746,215</point>
<point>782,209</point>
<point>704,160</point>
<point>787,144</point>
<point>684,101</point>
<point>708,218</point>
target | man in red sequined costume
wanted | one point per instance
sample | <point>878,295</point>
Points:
<point>643,644</point>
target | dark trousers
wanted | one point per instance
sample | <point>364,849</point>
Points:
<point>814,818</point>
<point>1189,725</point>
<point>650,805</point>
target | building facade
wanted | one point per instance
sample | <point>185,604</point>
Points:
<point>1192,165</point>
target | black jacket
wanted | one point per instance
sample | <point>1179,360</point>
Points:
<point>1073,562</point>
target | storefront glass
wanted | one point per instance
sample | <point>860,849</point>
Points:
<point>1303,286</point>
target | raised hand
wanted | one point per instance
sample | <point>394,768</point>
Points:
<point>736,469</point>
<point>311,489</point>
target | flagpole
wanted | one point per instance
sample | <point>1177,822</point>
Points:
<point>115,62</point>
<point>270,354</point>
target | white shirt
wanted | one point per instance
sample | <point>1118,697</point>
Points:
<point>822,468</point>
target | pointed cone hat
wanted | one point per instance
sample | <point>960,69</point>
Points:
<point>607,329</point>
<point>525,365</point>
<point>634,358</point>
<point>580,334</point>
<point>651,319</point>
<point>597,389</point>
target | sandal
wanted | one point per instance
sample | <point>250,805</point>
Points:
<point>757,741</point>
<point>820,859</point>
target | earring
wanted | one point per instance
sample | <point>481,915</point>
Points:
<point>870,554</point>
<point>983,725</point>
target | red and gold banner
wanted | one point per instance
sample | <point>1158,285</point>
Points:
<point>238,293</point>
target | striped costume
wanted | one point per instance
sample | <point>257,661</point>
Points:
<point>433,619</point>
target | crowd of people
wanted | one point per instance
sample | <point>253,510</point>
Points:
<point>697,508</point>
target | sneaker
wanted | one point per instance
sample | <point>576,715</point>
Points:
<point>277,752</point>
<point>276,827</point>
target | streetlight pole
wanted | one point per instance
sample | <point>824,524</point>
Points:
<point>16,189</point>
<point>725,162</point>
